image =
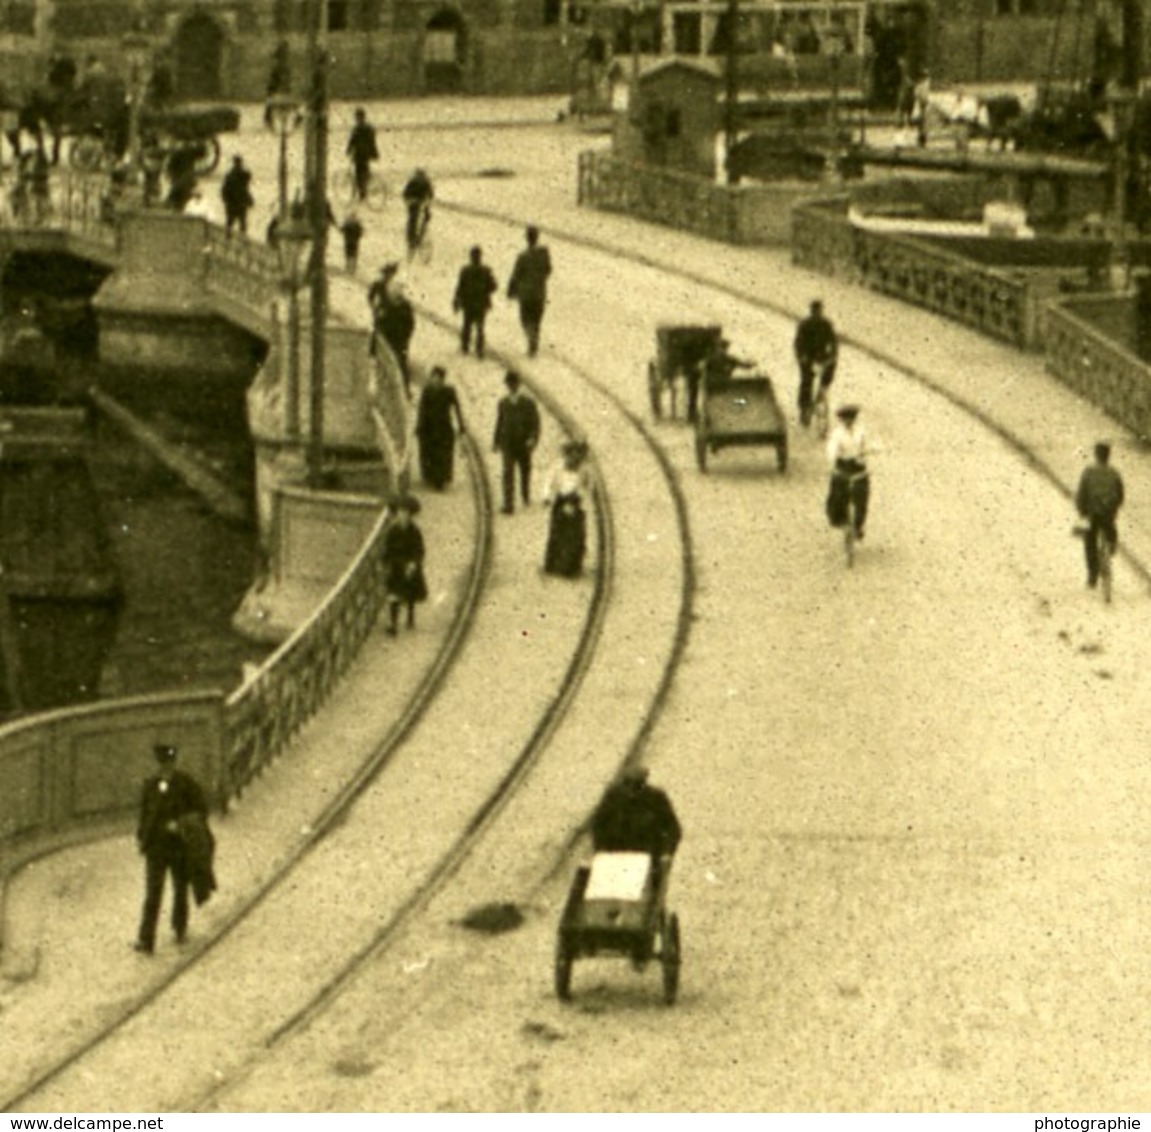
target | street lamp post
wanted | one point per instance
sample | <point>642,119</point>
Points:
<point>316,204</point>
<point>292,236</point>
<point>137,52</point>
<point>284,117</point>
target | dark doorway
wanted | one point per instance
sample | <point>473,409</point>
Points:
<point>199,53</point>
<point>444,52</point>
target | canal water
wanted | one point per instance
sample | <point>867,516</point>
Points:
<point>182,569</point>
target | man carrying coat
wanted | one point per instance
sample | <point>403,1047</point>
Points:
<point>516,436</point>
<point>173,836</point>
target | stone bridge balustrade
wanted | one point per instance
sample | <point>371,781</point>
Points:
<point>990,299</point>
<point>75,773</point>
<point>1098,368</point>
<point>739,214</point>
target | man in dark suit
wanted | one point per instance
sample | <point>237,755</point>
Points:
<point>473,297</point>
<point>517,434</point>
<point>169,797</point>
<point>528,286</point>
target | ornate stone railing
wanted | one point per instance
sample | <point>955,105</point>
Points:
<point>989,299</point>
<point>239,270</point>
<point>679,200</point>
<point>1097,367</point>
<point>61,769</point>
<point>263,715</point>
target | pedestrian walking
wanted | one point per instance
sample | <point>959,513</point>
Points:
<point>174,838</point>
<point>528,286</point>
<point>473,299</point>
<point>352,230</point>
<point>362,151</point>
<point>568,489</point>
<point>435,430</point>
<point>516,435</point>
<point>393,318</point>
<point>403,554</point>
<point>1098,499</point>
<point>236,193</point>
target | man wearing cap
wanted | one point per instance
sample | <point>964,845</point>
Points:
<point>635,817</point>
<point>1098,500</point>
<point>169,797</point>
<point>516,436</point>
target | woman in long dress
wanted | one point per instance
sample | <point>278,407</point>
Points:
<point>435,431</point>
<point>568,490</point>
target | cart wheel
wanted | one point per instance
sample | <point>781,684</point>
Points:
<point>781,455</point>
<point>563,972</point>
<point>206,163</point>
<point>700,448</point>
<point>671,958</point>
<point>86,154</point>
<point>653,384</point>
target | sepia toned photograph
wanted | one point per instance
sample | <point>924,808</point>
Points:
<point>575,556</point>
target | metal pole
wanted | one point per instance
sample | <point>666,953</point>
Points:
<point>292,392</point>
<point>731,90</point>
<point>283,171</point>
<point>318,214</point>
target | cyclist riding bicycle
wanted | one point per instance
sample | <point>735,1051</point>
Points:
<point>418,193</point>
<point>816,347</point>
<point>849,486</point>
<point>1098,500</point>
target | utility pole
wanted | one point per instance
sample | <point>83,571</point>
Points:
<point>1124,109</point>
<point>731,89</point>
<point>317,210</point>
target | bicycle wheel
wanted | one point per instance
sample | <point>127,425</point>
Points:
<point>819,415</point>
<point>342,187</point>
<point>377,196</point>
<point>849,534</point>
<point>423,252</point>
<point>1104,566</point>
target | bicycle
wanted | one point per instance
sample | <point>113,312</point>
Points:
<point>420,240</point>
<point>821,410</point>
<point>853,482</point>
<point>344,190</point>
<point>1104,553</point>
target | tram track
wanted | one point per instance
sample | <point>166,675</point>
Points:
<point>1033,459</point>
<point>330,818</point>
<point>327,999</point>
<point>47,1081</point>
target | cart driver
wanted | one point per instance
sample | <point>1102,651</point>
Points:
<point>720,365</point>
<point>635,817</point>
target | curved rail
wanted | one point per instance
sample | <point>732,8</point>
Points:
<point>334,813</point>
<point>389,932</point>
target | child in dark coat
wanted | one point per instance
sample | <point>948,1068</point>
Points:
<point>404,560</point>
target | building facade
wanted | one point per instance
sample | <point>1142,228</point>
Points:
<point>387,48</point>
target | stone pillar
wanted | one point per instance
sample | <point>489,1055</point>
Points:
<point>1143,315</point>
